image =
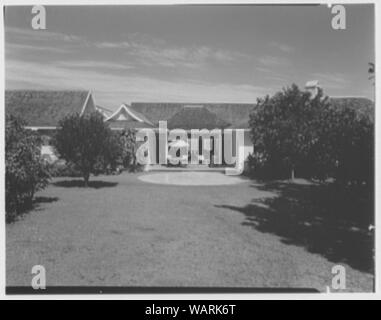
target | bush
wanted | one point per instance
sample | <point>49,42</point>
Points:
<point>26,172</point>
<point>120,154</point>
<point>61,168</point>
<point>281,128</point>
<point>127,138</point>
<point>345,147</point>
<point>293,132</point>
<point>87,143</point>
<point>258,165</point>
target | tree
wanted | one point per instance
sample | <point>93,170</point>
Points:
<point>120,152</point>
<point>26,172</point>
<point>282,129</point>
<point>111,159</point>
<point>85,141</point>
<point>129,144</point>
<point>293,132</point>
<point>345,146</point>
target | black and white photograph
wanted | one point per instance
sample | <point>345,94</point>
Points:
<point>188,148</point>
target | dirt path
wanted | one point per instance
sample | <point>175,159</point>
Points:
<point>131,233</point>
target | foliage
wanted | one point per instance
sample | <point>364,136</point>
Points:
<point>120,153</point>
<point>293,131</point>
<point>281,129</point>
<point>89,146</point>
<point>26,173</point>
<point>61,168</point>
<point>129,147</point>
<point>86,141</point>
<point>344,150</point>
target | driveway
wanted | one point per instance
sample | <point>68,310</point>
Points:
<point>126,232</point>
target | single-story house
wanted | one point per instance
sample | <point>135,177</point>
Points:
<point>188,116</point>
<point>43,109</point>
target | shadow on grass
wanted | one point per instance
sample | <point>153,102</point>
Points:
<point>28,207</point>
<point>38,200</point>
<point>323,219</point>
<point>96,184</point>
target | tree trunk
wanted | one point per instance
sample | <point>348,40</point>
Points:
<point>292,174</point>
<point>86,177</point>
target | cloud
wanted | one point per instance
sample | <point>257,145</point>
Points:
<point>191,57</point>
<point>106,77</point>
<point>112,45</point>
<point>92,64</point>
<point>111,89</point>
<point>27,41</point>
<point>40,35</point>
<point>272,61</point>
<point>140,48</point>
<point>331,80</point>
<point>16,47</point>
<point>282,47</point>
<point>274,75</point>
<point>153,51</point>
<point>284,80</point>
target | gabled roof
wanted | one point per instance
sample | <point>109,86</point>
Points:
<point>237,114</point>
<point>128,124</point>
<point>45,108</point>
<point>126,117</point>
<point>196,117</point>
<point>104,111</point>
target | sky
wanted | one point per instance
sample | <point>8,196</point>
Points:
<point>239,53</point>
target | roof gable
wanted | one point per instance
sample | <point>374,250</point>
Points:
<point>125,116</point>
<point>45,108</point>
<point>104,111</point>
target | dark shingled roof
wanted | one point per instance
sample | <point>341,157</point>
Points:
<point>128,124</point>
<point>44,108</point>
<point>236,114</point>
<point>139,114</point>
<point>106,112</point>
<point>193,117</point>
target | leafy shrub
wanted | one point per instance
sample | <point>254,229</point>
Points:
<point>129,145</point>
<point>293,132</point>
<point>120,154</point>
<point>281,129</point>
<point>258,166</point>
<point>61,168</point>
<point>345,147</point>
<point>26,172</point>
<point>89,146</point>
<point>87,143</point>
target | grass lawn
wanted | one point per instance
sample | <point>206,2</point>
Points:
<point>124,232</point>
